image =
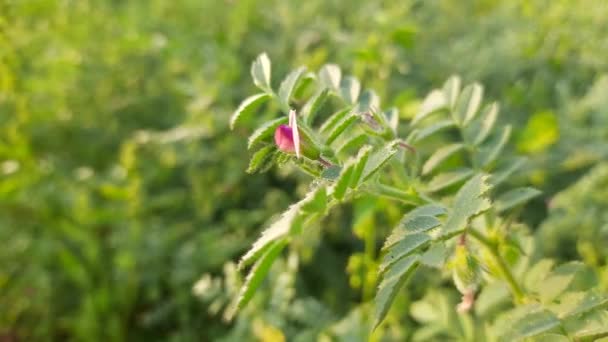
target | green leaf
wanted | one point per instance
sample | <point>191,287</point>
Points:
<point>525,322</point>
<point>440,156</point>
<point>558,281</point>
<point>446,179</point>
<point>406,246</point>
<point>288,85</point>
<point>330,76</point>
<point>491,298</point>
<point>551,338</point>
<point>434,128</point>
<point>541,131</point>
<point>258,273</point>
<point>349,89</point>
<point>360,162</point>
<point>434,102</point>
<point>482,126</point>
<point>451,90</point>
<point>470,201</point>
<point>369,100</point>
<point>315,201</point>
<point>409,224</point>
<point>343,181</point>
<point>491,150</point>
<point>247,107</point>
<point>573,304</point>
<point>590,327</point>
<point>265,131</point>
<point>468,104</point>
<point>352,143</point>
<point>312,106</point>
<point>435,256</point>
<point>391,283</point>
<point>340,127</point>
<point>260,159</point>
<point>260,71</point>
<point>503,172</point>
<point>433,209</point>
<point>378,159</point>
<point>514,198</point>
<point>333,120</point>
<point>332,172</point>
<point>537,273</point>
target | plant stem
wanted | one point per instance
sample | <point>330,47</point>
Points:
<point>504,268</point>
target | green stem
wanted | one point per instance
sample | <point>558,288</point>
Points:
<point>504,268</point>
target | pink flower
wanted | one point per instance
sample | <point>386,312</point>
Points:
<point>287,137</point>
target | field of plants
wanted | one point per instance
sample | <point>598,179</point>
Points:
<point>249,170</point>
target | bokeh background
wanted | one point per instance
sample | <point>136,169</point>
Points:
<point>121,186</point>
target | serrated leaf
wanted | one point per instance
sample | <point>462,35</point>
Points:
<point>433,102</point>
<point>469,201</point>
<point>406,246</point>
<point>312,106</point>
<point>482,126</point>
<point>515,197</point>
<point>410,224</point>
<point>468,104</point>
<point>434,128</point>
<point>258,273</point>
<point>525,322</point>
<point>446,179</point>
<point>435,256</point>
<point>340,127</point>
<point>333,120</point>
<point>440,156</point>
<point>349,89</point>
<point>451,90</point>
<point>247,107</point>
<point>360,162</point>
<point>330,75</point>
<point>503,172</point>
<point>288,85</point>
<point>260,72</point>
<point>492,149</point>
<point>265,131</point>
<point>391,283</point>
<point>378,159</point>
<point>573,304</point>
<point>260,159</point>
<point>369,100</point>
<point>433,209</point>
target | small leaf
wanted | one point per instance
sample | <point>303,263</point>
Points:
<point>353,143</point>
<point>440,156</point>
<point>312,106</point>
<point>330,76</point>
<point>288,85</point>
<point>315,201</point>
<point>428,210</point>
<point>258,273</point>
<point>340,127</point>
<point>482,126</point>
<point>333,120</point>
<point>410,224</point>
<point>573,304</point>
<point>468,104</point>
<point>260,159</point>
<point>343,181</point>
<point>515,198</point>
<point>451,90</point>
<point>406,246</point>
<point>433,102</point>
<point>360,162</point>
<point>434,128</point>
<point>446,179</point>
<point>247,107</point>
<point>332,172</point>
<point>349,89</point>
<point>369,101</point>
<point>558,281</point>
<point>260,71</point>
<point>378,159</point>
<point>537,273</point>
<point>491,150</point>
<point>525,322</point>
<point>588,327</point>
<point>470,201</point>
<point>391,283</point>
<point>265,131</point>
<point>435,256</point>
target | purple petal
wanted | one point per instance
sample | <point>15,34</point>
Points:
<point>283,137</point>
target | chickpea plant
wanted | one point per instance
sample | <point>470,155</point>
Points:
<point>460,219</point>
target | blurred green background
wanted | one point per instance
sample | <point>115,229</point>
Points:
<point>121,184</point>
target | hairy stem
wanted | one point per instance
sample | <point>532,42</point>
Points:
<point>502,264</point>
